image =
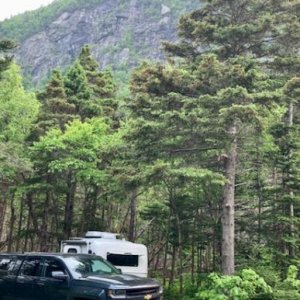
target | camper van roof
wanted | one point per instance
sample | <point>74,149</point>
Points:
<point>104,235</point>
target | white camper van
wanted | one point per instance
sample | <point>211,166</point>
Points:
<point>131,258</point>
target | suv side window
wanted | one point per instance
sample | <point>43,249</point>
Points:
<point>53,265</point>
<point>9,265</point>
<point>31,266</point>
<point>4,264</point>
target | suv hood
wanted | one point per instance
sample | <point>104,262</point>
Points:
<point>121,280</point>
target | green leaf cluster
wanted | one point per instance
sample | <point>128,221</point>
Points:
<point>248,285</point>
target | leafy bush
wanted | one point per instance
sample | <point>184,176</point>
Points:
<point>173,291</point>
<point>247,286</point>
<point>289,289</point>
<point>269,274</point>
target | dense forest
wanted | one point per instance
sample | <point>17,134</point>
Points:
<point>200,162</point>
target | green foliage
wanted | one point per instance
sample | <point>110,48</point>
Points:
<point>55,110</point>
<point>165,169</point>
<point>190,289</point>
<point>289,289</point>
<point>5,59</point>
<point>102,87</point>
<point>77,149</point>
<point>76,84</point>
<point>18,108</point>
<point>101,83</point>
<point>244,287</point>
<point>78,90</point>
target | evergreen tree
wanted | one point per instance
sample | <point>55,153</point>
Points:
<point>286,191</point>
<point>286,66</point>
<point>101,84</point>
<point>5,59</point>
<point>231,89</point>
<point>55,111</point>
<point>75,157</point>
<point>77,90</point>
<point>87,61</point>
<point>18,110</point>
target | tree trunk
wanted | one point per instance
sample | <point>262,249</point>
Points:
<point>20,222</point>
<point>259,192</point>
<point>193,253</point>
<point>44,243</point>
<point>33,232</point>
<point>174,258</point>
<point>3,204</point>
<point>199,261</point>
<point>69,206</point>
<point>291,208</point>
<point>2,214</point>
<point>166,252</point>
<point>27,230</point>
<point>132,220</point>
<point>228,207</point>
<point>87,218</point>
<point>11,224</point>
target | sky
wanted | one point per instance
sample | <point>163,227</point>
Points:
<point>10,8</point>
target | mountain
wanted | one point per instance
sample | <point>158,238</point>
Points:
<point>121,33</point>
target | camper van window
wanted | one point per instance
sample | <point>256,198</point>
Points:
<point>72,250</point>
<point>123,260</point>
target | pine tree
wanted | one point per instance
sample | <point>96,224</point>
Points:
<point>5,59</point>
<point>286,191</point>
<point>220,44</point>
<point>77,89</point>
<point>285,65</point>
<point>101,84</point>
<point>55,111</point>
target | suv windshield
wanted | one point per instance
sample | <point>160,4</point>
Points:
<point>83,266</point>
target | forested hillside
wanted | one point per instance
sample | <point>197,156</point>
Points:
<point>200,161</point>
<point>121,33</point>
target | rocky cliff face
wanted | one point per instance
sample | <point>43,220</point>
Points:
<point>120,32</point>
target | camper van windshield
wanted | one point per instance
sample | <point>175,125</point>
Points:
<point>84,266</point>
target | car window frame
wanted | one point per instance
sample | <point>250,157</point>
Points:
<point>26,258</point>
<point>58,259</point>
<point>14,258</point>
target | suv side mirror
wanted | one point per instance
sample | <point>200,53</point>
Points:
<point>59,275</point>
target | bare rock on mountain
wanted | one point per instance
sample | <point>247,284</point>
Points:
<point>121,34</point>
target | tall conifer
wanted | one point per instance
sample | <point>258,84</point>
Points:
<point>222,45</point>
<point>101,84</point>
<point>55,111</point>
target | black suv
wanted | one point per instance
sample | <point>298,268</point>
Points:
<point>46,276</point>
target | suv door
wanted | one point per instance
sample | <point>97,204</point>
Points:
<point>27,282</point>
<point>54,288</point>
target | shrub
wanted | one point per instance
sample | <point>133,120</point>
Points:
<point>247,286</point>
<point>289,288</point>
